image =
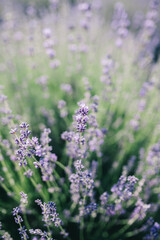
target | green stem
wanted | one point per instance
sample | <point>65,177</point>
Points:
<point>26,221</point>
<point>35,185</point>
<point>133,233</point>
<point>8,191</point>
<point>119,233</point>
<point>82,221</point>
<point>61,165</point>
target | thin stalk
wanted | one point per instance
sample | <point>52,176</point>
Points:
<point>82,221</point>
<point>26,221</point>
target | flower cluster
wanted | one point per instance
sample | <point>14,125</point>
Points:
<point>120,23</point>
<point>31,148</point>
<point>49,213</point>
<point>153,229</point>
<point>140,211</point>
<point>47,158</point>
<point>124,188</point>
<point>62,108</point>
<point>82,118</point>
<point>82,183</point>
<point>4,235</point>
<point>24,201</point>
<point>75,139</point>
<point>25,147</point>
<point>6,115</point>
<point>18,219</point>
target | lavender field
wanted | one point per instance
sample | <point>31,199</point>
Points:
<point>80,120</point>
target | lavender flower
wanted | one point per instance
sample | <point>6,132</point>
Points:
<point>154,230</point>
<point>82,183</point>
<point>23,201</point>
<point>5,112</point>
<point>125,187</point>
<point>28,148</point>
<point>49,213</point>
<point>67,88</point>
<point>104,198</point>
<point>39,232</point>
<point>92,207</point>
<point>18,219</point>
<point>4,235</point>
<point>139,213</point>
<point>62,108</point>
<point>28,173</point>
<point>81,118</point>
<point>24,144</point>
<point>76,139</point>
<point>47,32</point>
<point>120,23</point>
